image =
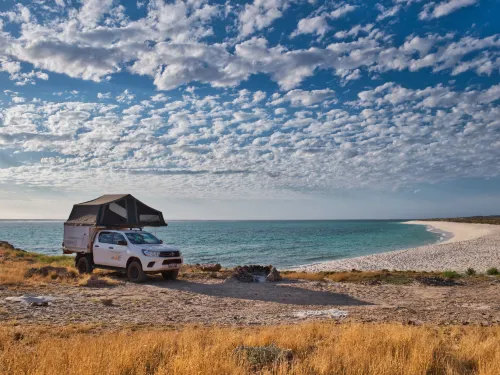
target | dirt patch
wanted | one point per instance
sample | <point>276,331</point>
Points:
<point>207,300</point>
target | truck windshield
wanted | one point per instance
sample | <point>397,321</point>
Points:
<point>141,238</point>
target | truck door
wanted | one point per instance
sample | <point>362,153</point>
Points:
<point>102,251</point>
<point>119,250</point>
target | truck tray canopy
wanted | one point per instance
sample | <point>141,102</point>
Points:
<point>115,210</point>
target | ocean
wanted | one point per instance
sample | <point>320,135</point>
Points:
<point>230,243</point>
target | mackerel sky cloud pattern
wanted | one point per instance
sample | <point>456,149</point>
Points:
<point>282,99</point>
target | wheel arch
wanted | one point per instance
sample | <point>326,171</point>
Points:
<point>131,259</point>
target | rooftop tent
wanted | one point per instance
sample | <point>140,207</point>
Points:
<point>117,210</point>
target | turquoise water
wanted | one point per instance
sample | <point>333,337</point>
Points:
<point>231,243</point>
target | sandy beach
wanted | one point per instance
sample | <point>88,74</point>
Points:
<point>467,245</point>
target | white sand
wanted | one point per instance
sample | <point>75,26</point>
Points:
<point>468,245</point>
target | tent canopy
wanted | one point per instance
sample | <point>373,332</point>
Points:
<point>115,210</point>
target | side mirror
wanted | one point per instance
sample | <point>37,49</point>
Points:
<point>161,241</point>
<point>122,243</point>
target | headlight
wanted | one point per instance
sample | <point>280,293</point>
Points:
<point>150,253</point>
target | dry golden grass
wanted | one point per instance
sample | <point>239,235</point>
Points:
<point>383,276</point>
<point>319,348</point>
<point>12,273</point>
<point>311,276</point>
<point>14,265</point>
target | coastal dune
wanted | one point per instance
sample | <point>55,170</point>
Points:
<point>467,245</point>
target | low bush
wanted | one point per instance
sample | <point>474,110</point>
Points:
<point>470,271</point>
<point>492,271</point>
<point>451,274</point>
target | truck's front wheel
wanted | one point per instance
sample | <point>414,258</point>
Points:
<point>135,273</point>
<point>84,264</point>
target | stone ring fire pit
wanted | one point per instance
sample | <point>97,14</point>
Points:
<point>256,274</point>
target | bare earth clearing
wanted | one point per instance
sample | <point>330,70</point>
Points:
<point>212,301</point>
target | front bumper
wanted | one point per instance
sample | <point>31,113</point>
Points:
<point>154,264</point>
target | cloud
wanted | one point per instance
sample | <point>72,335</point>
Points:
<point>92,11</point>
<point>433,10</point>
<point>315,25</point>
<point>318,25</point>
<point>259,96</point>
<point>257,113</point>
<point>79,62</point>
<point>390,136</point>
<point>342,11</point>
<point>305,98</point>
<point>387,12</point>
<point>259,15</point>
<point>105,95</point>
<point>169,45</point>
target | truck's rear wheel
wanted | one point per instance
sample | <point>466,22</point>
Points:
<point>84,264</point>
<point>135,273</point>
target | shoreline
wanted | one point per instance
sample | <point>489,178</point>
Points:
<point>465,245</point>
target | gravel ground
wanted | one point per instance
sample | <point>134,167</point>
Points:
<point>213,301</point>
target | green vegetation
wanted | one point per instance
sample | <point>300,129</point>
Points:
<point>370,277</point>
<point>492,271</point>
<point>495,220</point>
<point>451,274</point>
<point>56,260</point>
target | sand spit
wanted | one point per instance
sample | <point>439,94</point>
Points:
<point>466,245</point>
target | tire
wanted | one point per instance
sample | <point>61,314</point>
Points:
<point>84,264</point>
<point>170,275</point>
<point>135,273</point>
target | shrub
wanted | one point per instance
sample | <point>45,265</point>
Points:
<point>470,271</point>
<point>492,271</point>
<point>451,274</point>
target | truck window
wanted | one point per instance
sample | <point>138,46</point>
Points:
<point>117,237</point>
<point>140,238</point>
<point>106,237</point>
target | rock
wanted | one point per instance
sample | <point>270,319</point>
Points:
<point>261,356</point>
<point>55,272</point>
<point>413,322</point>
<point>211,267</point>
<point>32,300</point>
<point>274,275</point>
<point>6,245</point>
<point>107,301</point>
<point>252,273</point>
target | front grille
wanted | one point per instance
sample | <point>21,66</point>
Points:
<point>172,261</point>
<point>169,254</point>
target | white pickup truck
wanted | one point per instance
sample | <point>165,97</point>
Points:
<point>135,251</point>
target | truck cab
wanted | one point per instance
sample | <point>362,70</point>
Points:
<point>136,251</point>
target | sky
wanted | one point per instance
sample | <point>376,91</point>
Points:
<point>266,109</point>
